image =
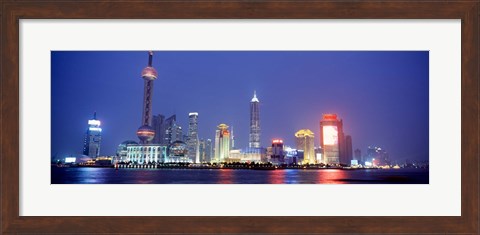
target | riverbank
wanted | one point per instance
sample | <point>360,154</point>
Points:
<point>224,166</point>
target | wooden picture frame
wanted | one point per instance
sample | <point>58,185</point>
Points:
<point>12,11</point>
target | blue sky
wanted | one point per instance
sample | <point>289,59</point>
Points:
<point>382,97</point>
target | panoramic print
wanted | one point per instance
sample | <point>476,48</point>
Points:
<point>239,117</point>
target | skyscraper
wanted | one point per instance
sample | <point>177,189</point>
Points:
<point>202,150</point>
<point>158,125</point>
<point>208,151</point>
<point>222,143</point>
<point>145,132</point>
<point>192,141</point>
<point>277,154</point>
<point>232,137</point>
<point>358,155</point>
<point>93,137</point>
<point>173,132</point>
<point>331,138</point>
<point>305,141</point>
<point>254,138</point>
<point>348,149</point>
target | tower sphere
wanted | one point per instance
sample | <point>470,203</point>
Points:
<point>145,133</point>
<point>149,73</point>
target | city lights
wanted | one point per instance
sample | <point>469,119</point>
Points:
<point>294,139</point>
<point>330,135</point>
<point>94,122</point>
<point>70,159</point>
<point>277,141</point>
<point>95,129</point>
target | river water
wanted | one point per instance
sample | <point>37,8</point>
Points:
<point>86,175</point>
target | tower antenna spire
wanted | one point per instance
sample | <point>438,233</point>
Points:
<point>150,58</point>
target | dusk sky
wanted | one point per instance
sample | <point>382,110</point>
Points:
<point>382,97</point>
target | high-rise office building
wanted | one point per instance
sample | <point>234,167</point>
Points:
<point>331,139</point>
<point>305,141</point>
<point>158,125</point>
<point>254,137</point>
<point>208,150</point>
<point>232,139</point>
<point>93,137</point>
<point>145,132</point>
<point>192,141</point>
<point>222,143</point>
<point>202,150</point>
<point>173,132</point>
<point>277,154</point>
<point>318,154</point>
<point>348,149</point>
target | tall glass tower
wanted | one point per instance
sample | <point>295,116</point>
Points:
<point>222,143</point>
<point>192,143</point>
<point>145,132</point>
<point>254,138</point>
<point>91,145</point>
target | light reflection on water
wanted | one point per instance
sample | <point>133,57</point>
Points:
<point>225,176</point>
<point>331,176</point>
<point>85,175</point>
<point>277,177</point>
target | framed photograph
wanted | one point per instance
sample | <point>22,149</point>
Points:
<point>240,117</point>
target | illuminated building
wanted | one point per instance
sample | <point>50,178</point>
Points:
<point>178,152</point>
<point>222,143</point>
<point>331,138</point>
<point>254,137</point>
<point>269,154</point>
<point>235,155</point>
<point>93,137</point>
<point>173,132</point>
<point>168,125</point>
<point>277,154</point>
<point>305,141</point>
<point>208,151</point>
<point>146,153</point>
<point>202,150</point>
<point>255,155</point>
<point>192,138</point>
<point>348,149</point>
<point>158,125</point>
<point>121,155</point>
<point>145,132</point>
<point>205,150</point>
<point>318,154</point>
<point>232,139</point>
<point>291,155</point>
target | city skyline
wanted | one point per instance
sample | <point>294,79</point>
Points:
<point>278,117</point>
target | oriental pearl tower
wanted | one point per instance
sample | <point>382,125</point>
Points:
<point>145,132</point>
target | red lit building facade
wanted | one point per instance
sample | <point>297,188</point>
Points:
<point>332,140</point>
